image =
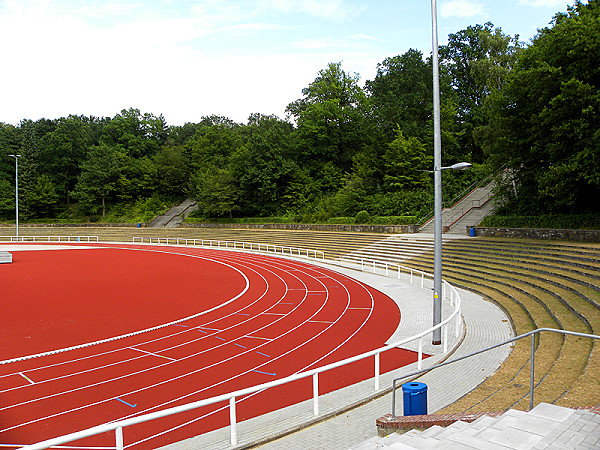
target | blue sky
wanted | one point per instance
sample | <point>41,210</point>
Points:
<point>190,58</point>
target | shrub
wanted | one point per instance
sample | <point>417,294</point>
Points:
<point>562,221</point>
<point>341,220</point>
<point>394,220</point>
<point>362,217</point>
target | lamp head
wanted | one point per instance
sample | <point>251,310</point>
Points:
<point>460,166</point>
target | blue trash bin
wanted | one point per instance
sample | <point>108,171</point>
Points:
<point>472,232</point>
<point>415,399</point>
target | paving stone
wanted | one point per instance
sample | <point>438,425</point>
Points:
<point>553,412</point>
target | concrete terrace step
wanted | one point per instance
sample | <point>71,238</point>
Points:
<point>392,249</point>
<point>545,426</point>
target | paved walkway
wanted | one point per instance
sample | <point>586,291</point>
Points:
<point>296,426</point>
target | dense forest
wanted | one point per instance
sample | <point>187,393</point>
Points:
<point>531,110</point>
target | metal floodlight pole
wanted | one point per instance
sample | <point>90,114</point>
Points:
<point>16,193</point>
<point>437,174</point>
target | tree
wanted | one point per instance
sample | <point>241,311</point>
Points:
<point>138,135</point>
<point>62,151</point>
<point>262,167</point>
<point>99,176</point>
<point>332,120</point>
<point>7,199</point>
<point>173,170</point>
<point>406,163</point>
<point>41,198</point>
<point>548,117</point>
<point>478,60</point>
<point>215,191</point>
<point>401,95</point>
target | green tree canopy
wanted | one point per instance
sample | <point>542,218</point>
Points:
<point>549,117</point>
<point>331,119</point>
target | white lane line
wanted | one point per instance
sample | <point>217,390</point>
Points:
<point>150,353</point>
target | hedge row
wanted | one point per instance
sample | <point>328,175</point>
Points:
<point>359,219</point>
<point>575,222</point>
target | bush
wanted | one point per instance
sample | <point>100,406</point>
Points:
<point>341,220</point>
<point>362,217</point>
<point>394,220</point>
<point>239,220</point>
<point>562,221</point>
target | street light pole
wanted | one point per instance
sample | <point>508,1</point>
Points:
<point>16,193</point>
<point>437,180</point>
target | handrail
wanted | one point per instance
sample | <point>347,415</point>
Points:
<point>465,210</point>
<point>456,200</point>
<point>252,246</point>
<point>118,426</point>
<point>492,347</point>
<point>49,238</point>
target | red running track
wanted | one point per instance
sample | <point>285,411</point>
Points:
<point>249,319</point>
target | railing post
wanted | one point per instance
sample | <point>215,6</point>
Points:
<point>445,338</point>
<point>316,394</point>
<point>531,374</point>
<point>119,438</point>
<point>386,270</point>
<point>394,399</point>
<point>420,359</point>
<point>233,421</point>
<point>377,371</point>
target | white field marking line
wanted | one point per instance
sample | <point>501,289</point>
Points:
<point>145,370</point>
<point>27,378</point>
<point>144,388</point>
<point>151,353</point>
<point>304,368</point>
<point>135,333</point>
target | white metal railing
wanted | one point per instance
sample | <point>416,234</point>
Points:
<point>48,238</point>
<point>251,246</point>
<point>230,397</point>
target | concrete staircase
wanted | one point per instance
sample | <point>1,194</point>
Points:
<point>174,216</point>
<point>544,427</point>
<point>468,212</point>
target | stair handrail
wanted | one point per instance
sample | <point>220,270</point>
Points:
<point>492,347</point>
<point>465,210</point>
<point>463,194</point>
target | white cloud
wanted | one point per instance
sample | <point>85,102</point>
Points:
<point>461,8</point>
